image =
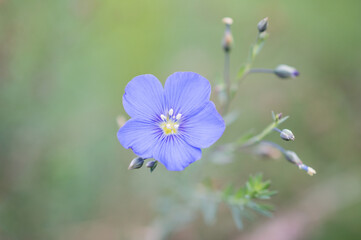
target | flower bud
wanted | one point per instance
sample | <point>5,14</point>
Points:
<point>285,71</point>
<point>152,165</point>
<point>287,135</point>
<point>262,25</point>
<point>227,20</point>
<point>227,38</point>
<point>292,157</point>
<point>136,163</point>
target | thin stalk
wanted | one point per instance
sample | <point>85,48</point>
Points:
<point>260,136</point>
<point>277,130</point>
<point>227,81</point>
<point>261,70</point>
<point>271,127</point>
<point>249,63</point>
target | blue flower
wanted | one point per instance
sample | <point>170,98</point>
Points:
<point>172,124</point>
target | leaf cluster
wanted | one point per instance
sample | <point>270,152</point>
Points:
<point>242,202</point>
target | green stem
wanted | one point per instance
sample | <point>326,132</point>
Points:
<point>264,133</point>
<point>227,81</point>
<point>255,48</point>
<point>261,70</point>
<point>260,136</point>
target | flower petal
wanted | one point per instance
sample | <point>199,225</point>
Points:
<point>140,136</point>
<point>175,154</point>
<point>186,92</point>
<point>144,97</point>
<point>203,129</point>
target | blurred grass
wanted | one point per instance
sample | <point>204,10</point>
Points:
<point>63,69</point>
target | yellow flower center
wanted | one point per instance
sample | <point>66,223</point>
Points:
<point>170,123</point>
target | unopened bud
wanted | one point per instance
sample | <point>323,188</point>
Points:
<point>292,157</point>
<point>152,165</point>
<point>228,38</point>
<point>227,20</point>
<point>136,163</point>
<point>287,135</point>
<point>285,71</point>
<point>262,25</point>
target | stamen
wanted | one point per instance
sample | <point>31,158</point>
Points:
<point>170,123</point>
<point>164,118</point>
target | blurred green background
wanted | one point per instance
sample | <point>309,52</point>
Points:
<point>63,68</point>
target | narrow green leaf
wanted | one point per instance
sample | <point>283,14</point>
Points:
<point>241,193</point>
<point>236,214</point>
<point>282,120</point>
<point>209,209</point>
<point>260,208</point>
<point>266,184</point>
<point>258,178</point>
<point>273,116</point>
<point>242,71</point>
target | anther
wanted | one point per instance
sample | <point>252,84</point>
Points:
<point>179,116</point>
<point>164,118</point>
<point>171,112</point>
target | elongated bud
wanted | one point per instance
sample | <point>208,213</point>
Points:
<point>152,165</point>
<point>262,25</point>
<point>287,135</point>
<point>136,163</point>
<point>292,157</point>
<point>228,38</point>
<point>285,71</point>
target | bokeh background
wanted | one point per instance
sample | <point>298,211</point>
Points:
<point>63,68</point>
